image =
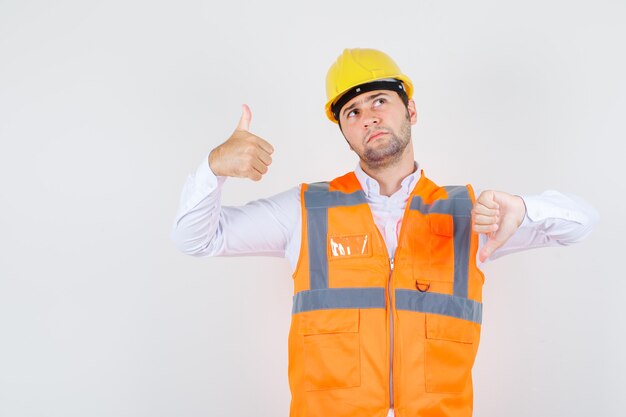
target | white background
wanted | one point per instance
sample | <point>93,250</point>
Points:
<point>105,107</point>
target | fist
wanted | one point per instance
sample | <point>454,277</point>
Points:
<point>498,215</point>
<point>244,154</point>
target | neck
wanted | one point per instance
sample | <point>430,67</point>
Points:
<point>389,177</point>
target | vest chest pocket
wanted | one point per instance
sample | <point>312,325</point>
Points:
<point>331,349</point>
<point>449,353</point>
<point>441,246</point>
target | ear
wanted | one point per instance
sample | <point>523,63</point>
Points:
<point>412,112</point>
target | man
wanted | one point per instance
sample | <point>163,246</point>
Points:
<point>387,305</point>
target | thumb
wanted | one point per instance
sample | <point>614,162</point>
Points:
<point>246,116</point>
<point>488,248</point>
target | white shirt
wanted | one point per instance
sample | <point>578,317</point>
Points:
<point>272,226</point>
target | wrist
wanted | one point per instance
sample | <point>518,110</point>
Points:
<point>211,162</point>
<point>520,209</point>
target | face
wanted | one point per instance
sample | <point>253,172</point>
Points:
<point>377,126</point>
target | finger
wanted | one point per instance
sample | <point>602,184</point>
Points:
<point>246,116</point>
<point>488,228</point>
<point>487,199</point>
<point>265,145</point>
<point>254,175</point>
<point>483,220</point>
<point>264,157</point>
<point>254,170</point>
<point>486,211</point>
<point>259,166</point>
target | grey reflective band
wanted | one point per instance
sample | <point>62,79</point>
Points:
<point>437,303</point>
<point>333,199</point>
<point>459,206</point>
<point>317,200</point>
<point>462,235</point>
<point>318,187</point>
<point>334,298</point>
<point>317,230</point>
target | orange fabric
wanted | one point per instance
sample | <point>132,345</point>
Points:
<point>339,359</point>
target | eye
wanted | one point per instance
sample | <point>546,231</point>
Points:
<point>352,113</point>
<point>379,101</point>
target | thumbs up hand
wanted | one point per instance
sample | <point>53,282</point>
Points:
<point>499,215</point>
<point>243,154</point>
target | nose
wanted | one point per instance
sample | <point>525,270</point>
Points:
<point>370,118</point>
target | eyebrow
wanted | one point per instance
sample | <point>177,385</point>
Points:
<point>370,98</point>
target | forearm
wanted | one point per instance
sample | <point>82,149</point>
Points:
<point>552,219</point>
<point>195,228</point>
<point>203,227</point>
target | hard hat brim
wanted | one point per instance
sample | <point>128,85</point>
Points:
<point>408,88</point>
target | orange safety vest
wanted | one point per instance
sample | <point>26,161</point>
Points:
<point>369,333</point>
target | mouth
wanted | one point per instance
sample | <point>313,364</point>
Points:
<point>375,135</point>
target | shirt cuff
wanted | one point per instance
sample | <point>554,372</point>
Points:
<point>205,179</point>
<point>542,207</point>
<point>526,220</point>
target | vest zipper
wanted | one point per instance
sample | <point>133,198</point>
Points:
<point>390,335</point>
<point>389,295</point>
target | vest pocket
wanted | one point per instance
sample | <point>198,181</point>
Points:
<point>449,353</point>
<point>331,349</point>
<point>441,246</point>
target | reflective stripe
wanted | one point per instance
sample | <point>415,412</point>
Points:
<point>436,303</point>
<point>462,234</point>
<point>317,230</point>
<point>459,206</point>
<point>333,199</point>
<point>333,298</point>
<point>317,200</point>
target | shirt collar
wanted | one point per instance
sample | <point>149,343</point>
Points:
<point>371,187</point>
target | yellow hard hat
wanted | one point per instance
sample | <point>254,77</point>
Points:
<point>357,66</point>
